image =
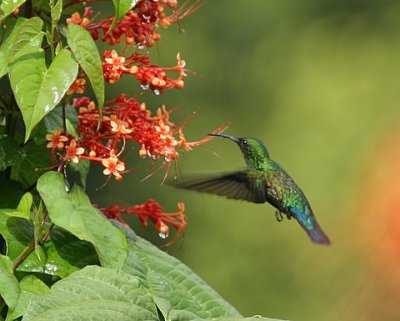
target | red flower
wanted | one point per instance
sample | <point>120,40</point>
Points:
<point>56,140</point>
<point>77,87</point>
<point>113,166</point>
<point>72,152</point>
<point>152,211</point>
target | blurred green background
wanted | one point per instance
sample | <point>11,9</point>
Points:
<point>319,82</point>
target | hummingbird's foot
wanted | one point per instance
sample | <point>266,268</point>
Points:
<point>278,216</point>
<point>289,216</point>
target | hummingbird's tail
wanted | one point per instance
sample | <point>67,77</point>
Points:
<point>317,235</point>
<point>309,223</point>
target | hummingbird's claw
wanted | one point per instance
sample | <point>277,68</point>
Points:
<point>278,216</point>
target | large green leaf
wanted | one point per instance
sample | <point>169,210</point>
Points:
<point>74,212</point>
<point>87,55</point>
<point>13,28</point>
<point>8,6</point>
<point>9,289</point>
<point>31,287</point>
<point>37,89</point>
<point>178,292</point>
<point>94,293</point>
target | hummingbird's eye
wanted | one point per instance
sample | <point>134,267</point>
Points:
<point>244,142</point>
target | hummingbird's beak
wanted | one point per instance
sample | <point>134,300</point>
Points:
<point>235,139</point>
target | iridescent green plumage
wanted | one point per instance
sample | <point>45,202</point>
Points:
<point>264,180</point>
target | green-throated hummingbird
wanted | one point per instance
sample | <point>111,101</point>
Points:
<point>264,180</point>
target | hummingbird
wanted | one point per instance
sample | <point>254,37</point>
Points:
<point>263,181</point>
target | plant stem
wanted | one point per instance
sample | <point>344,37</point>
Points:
<point>30,248</point>
<point>64,115</point>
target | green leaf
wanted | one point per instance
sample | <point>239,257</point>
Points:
<point>56,11</point>
<point>29,168</point>
<point>23,210</point>
<point>121,7</point>
<point>61,255</point>
<point>37,89</point>
<point>82,168</point>
<point>17,232</point>
<point>66,253</point>
<point>27,40</point>
<point>10,152</point>
<point>13,28</point>
<point>31,287</point>
<point>86,53</point>
<point>178,292</point>
<point>9,289</point>
<point>94,293</point>
<point>37,220</point>
<point>74,212</point>
<point>25,205</point>
<point>8,6</point>
<point>55,118</point>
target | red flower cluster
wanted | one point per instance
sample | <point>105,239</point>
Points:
<point>103,139</point>
<point>151,211</point>
<point>150,76</point>
<point>139,25</point>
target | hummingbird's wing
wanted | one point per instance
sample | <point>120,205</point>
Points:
<point>236,185</point>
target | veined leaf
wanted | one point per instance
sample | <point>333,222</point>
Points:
<point>178,292</point>
<point>13,29</point>
<point>28,39</point>
<point>31,287</point>
<point>94,293</point>
<point>86,53</point>
<point>9,289</point>
<point>74,212</point>
<point>37,89</point>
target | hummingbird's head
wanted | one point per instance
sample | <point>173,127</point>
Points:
<point>253,149</point>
